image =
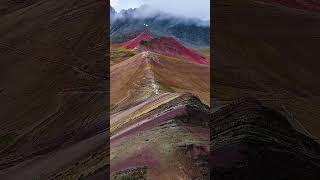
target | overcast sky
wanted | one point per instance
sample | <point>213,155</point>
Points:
<point>189,8</point>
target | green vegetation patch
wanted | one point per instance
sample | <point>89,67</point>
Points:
<point>120,54</point>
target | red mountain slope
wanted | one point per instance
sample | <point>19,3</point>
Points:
<point>136,41</point>
<point>169,46</point>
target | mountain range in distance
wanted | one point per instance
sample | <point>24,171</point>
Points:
<point>127,24</point>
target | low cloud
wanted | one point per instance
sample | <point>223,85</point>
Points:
<point>188,8</point>
<point>146,11</point>
<point>114,3</point>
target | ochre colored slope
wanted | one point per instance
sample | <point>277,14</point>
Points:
<point>147,74</point>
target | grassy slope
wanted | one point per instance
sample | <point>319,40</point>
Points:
<point>119,54</point>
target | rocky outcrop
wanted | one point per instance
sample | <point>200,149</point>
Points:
<point>250,141</point>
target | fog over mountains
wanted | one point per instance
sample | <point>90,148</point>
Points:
<point>127,24</point>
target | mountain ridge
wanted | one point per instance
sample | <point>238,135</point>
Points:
<point>168,46</point>
<point>129,23</point>
<point>147,71</point>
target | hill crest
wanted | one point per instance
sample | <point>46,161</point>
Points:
<point>168,46</point>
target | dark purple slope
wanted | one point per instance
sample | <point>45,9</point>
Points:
<point>250,141</point>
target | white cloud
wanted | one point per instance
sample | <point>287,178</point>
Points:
<point>141,2</point>
<point>114,2</point>
<point>189,8</point>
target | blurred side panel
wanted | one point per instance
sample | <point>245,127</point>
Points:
<point>54,89</point>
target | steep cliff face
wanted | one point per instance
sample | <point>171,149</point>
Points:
<point>250,141</point>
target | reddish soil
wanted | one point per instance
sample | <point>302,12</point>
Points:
<point>136,41</point>
<point>170,46</point>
